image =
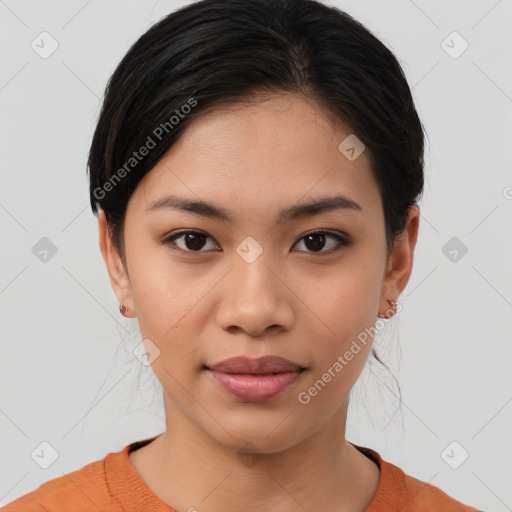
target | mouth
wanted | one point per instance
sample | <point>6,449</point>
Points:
<point>255,384</point>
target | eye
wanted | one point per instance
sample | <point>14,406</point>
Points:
<point>191,241</point>
<point>316,240</point>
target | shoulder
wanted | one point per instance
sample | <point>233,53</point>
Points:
<point>400,491</point>
<point>85,489</point>
<point>419,495</point>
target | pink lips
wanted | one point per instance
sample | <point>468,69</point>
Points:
<point>256,380</point>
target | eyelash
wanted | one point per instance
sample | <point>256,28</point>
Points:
<point>343,241</point>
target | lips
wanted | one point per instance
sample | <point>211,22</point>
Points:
<point>263,365</point>
<point>256,380</point>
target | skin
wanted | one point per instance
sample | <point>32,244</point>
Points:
<point>295,300</point>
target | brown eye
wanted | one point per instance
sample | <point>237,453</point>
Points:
<point>189,241</point>
<point>317,240</point>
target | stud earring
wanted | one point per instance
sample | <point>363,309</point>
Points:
<point>393,304</point>
<point>123,309</point>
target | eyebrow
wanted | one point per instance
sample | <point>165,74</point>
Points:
<point>299,211</point>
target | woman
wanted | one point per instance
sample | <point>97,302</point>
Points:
<point>256,171</point>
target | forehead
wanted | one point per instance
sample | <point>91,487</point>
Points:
<point>256,157</point>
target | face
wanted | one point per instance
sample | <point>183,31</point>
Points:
<point>256,282</point>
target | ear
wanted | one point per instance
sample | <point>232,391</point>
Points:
<point>119,278</point>
<point>399,265</point>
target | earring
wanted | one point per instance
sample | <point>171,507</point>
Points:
<point>393,304</point>
<point>123,309</point>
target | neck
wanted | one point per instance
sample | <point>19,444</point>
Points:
<point>186,468</point>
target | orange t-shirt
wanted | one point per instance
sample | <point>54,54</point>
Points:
<point>112,485</point>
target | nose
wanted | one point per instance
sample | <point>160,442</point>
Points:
<point>255,300</point>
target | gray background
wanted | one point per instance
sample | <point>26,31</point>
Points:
<point>67,373</point>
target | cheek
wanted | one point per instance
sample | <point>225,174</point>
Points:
<point>162,293</point>
<point>338,362</point>
<point>342,301</point>
<point>341,316</point>
<point>169,306</point>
